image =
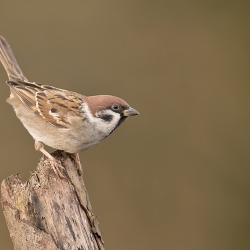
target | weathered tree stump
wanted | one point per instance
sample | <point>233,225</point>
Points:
<point>49,212</point>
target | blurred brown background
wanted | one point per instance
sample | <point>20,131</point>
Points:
<point>178,176</point>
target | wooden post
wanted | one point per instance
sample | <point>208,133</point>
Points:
<point>49,212</point>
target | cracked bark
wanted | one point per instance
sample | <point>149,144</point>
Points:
<point>48,212</point>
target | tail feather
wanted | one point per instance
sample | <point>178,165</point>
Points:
<point>9,62</point>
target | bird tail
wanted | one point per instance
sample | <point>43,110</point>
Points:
<point>9,62</point>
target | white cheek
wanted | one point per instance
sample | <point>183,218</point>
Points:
<point>105,126</point>
<point>98,124</point>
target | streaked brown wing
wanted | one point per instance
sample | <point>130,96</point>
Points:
<point>55,107</point>
<point>52,104</point>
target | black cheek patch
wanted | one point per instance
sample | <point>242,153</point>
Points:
<point>107,118</point>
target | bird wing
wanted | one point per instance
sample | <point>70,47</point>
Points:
<point>51,104</point>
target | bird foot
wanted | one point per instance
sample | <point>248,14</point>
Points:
<point>77,163</point>
<point>57,167</point>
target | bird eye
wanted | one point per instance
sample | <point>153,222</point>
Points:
<point>115,107</point>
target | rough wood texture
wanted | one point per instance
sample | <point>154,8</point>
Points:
<point>48,212</point>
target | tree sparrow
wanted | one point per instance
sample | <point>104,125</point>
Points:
<point>60,118</point>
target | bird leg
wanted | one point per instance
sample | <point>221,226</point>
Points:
<point>77,162</point>
<point>55,165</point>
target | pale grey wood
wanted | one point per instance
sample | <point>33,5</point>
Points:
<point>49,212</point>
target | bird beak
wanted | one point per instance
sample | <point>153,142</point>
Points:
<point>130,112</point>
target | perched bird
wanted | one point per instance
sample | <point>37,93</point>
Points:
<point>60,118</point>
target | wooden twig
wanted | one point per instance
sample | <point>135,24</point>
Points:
<point>49,212</point>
